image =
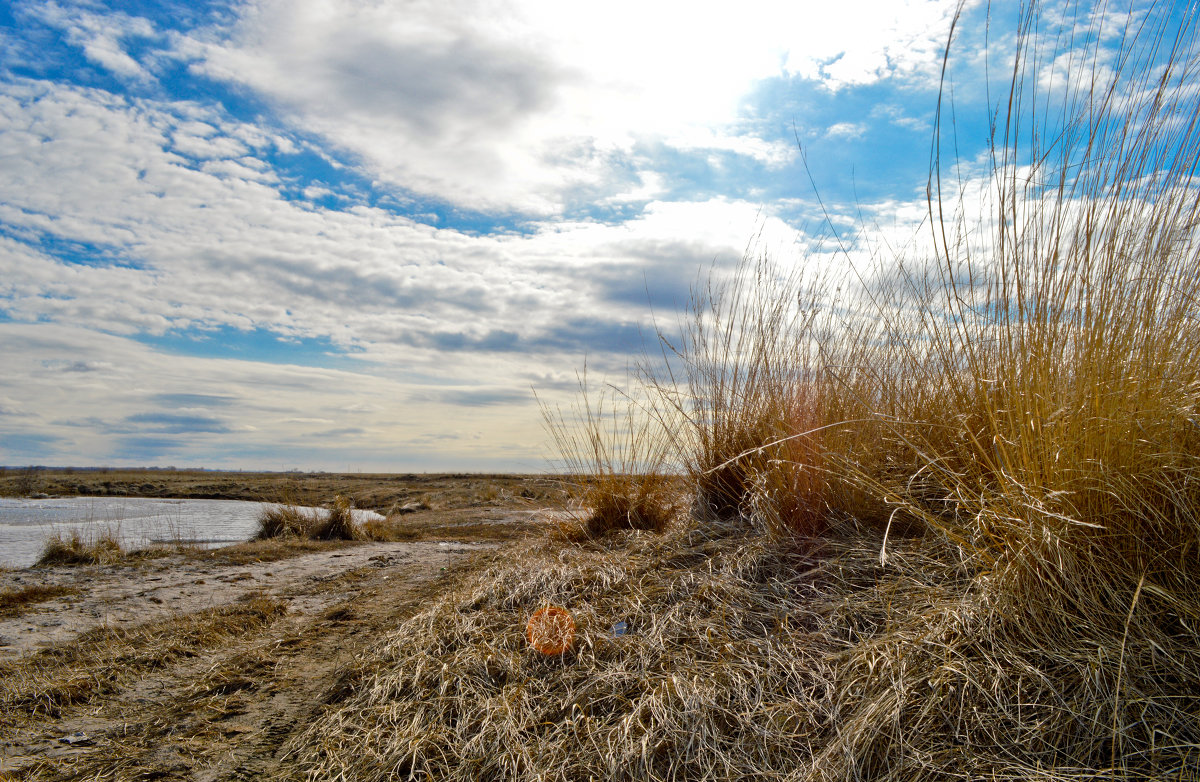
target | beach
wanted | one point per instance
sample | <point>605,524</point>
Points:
<point>200,664</point>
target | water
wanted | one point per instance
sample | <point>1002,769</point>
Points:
<point>136,522</point>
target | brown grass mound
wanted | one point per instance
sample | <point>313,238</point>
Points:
<point>339,523</point>
<point>745,658</point>
<point>284,521</point>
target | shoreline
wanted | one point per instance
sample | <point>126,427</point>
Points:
<point>148,637</point>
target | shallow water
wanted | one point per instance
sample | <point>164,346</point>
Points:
<point>136,522</point>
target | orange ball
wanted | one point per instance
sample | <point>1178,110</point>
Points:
<point>551,630</point>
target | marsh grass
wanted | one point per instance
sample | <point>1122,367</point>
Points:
<point>75,548</point>
<point>289,521</point>
<point>1022,394</point>
<point>614,454</point>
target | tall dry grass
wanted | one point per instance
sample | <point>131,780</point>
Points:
<point>1026,387</point>
<point>291,521</point>
<point>615,454</point>
<point>1024,391</point>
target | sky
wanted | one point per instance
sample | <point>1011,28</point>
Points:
<point>360,235</point>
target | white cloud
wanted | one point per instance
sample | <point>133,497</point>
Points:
<point>511,106</point>
<point>125,411</point>
<point>845,130</point>
<point>99,35</point>
<point>899,116</point>
<point>181,247</point>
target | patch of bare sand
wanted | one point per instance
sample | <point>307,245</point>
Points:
<point>117,595</point>
<point>174,702</point>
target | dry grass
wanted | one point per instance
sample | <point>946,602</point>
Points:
<point>765,430</point>
<point>615,455</point>
<point>285,521</point>
<point>270,550</point>
<point>75,549</point>
<point>16,602</point>
<point>289,521</point>
<point>339,524</point>
<point>1025,397</point>
<point>378,492</point>
<point>457,693</point>
<point>748,659</point>
<point>102,660</point>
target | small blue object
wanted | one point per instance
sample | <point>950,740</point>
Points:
<point>620,628</point>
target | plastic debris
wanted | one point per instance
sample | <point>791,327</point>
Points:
<point>621,628</point>
<point>551,630</point>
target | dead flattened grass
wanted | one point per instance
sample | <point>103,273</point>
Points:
<point>15,602</point>
<point>746,657</point>
<point>270,550</point>
<point>723,674</point>
<point>99,661</point>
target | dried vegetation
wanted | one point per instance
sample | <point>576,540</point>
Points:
<point>290,521</point>
<point>100,661</point>
<point>945,518</point>
<point>15,602</point>
<point>75,548</point>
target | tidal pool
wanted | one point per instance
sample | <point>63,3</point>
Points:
<point>135,521</point>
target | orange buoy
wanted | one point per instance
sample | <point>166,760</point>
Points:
<point>551,630</point>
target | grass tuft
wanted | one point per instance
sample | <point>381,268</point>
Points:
<point>614,453</point>
<point>339,523</point>
<point>74,549</point>
<point>289,521</point>
<point>284,521</point>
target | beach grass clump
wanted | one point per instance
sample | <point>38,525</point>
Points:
<point>279,521</point>
<point>766,431</point>
<point>290,521</point>
<point>75,548</point>
<point>614,454</point>
<point>338,523</point>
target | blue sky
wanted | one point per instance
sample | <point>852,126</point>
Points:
<point>337,235</point>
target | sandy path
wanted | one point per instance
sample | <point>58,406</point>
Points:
<point>226,712</point>
<point>120,595</point>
